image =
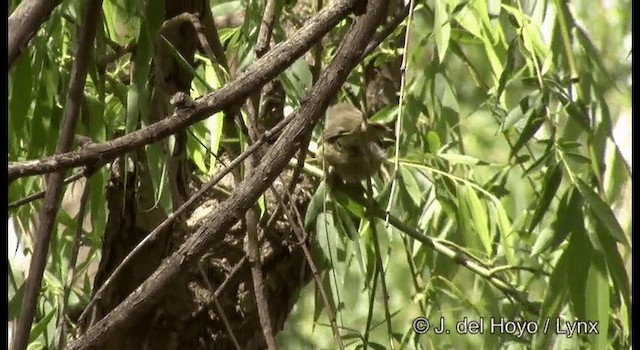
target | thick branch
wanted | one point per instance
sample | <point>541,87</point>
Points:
<point>261,72</point>
<point>51,203</point>
<point>248,191</point>
<point>25,21</point>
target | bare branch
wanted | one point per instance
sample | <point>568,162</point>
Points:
<point>24,23</point>
<point>266,27</point>
<point>54,184</point>
<point>251,216</point>
<point>231,210</point>
<point>261,72</point>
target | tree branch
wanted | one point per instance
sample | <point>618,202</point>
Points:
<point>24,23</point>
<point>231,210</point>
<point>54,186</point>
<point>261,72</point>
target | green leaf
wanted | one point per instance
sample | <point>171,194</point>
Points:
<point>554,298</point>
<point>412,187</point>
<point>41,326</point>
<point>552,181</point>
<point>579,249</point>
<point>616,267</point>
<point>354,207</point>
<point>529,105</point>
<point>138,94</point>
<point>508,67</point>
<point>592,52</point>
<point>386,115</point>
<point>507,235</point>
<point>441,28</point>
<point>597,303</point>
<point>433,141</point>
<point>21,79</point>
<point>348,225</point>
<point>579,115</point>
<point>319,301</point>
<point>327,234</point>
<point>465,219</point>
<point>534,123</point>
<point>376,346</point>
<point>15,302</point>
<point>315,206</point>
<point>603,213</point>
<point>569,213</point>
<point>479,215</point>
<point>461,159</point>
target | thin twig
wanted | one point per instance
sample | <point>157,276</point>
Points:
<point>380,270</point>
<point>252,247</point>
<point>54,184</point>
<point>219,308</point>
<point>72,265</point>
<point>298,228</point>
<point>459,258</point>
<point>372,298</point>
<point>38,195</point>
<point>403,77</point>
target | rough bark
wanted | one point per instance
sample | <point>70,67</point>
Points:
<point>185,316</point>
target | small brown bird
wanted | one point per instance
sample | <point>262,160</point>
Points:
<point>351,147</point>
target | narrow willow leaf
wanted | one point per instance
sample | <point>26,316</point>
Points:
<point>465,218</point>
<point>441,28</point>
<point>616,267</point>
<point>20,80</point>
<point>534,123</point>
<point>540,162</point>
<point>348,225</point>
<point>479,215</point>
<point>603,213</point>
<point>569,213</point>
<point>15,302</point>
<point>525,108</point>
<point>354,207</point>
<point>554,299</point>
<point>462,159</point>
<point>412,187</point>
<point>579,249</point>
<point>592,52</point>
<point>327,234</point>
<point>508,67</point>
<point>579,115</point>
<point>42,325</point>
<point>315,206</point>
<point>552,181</point>
<point>507,237</point>
<point>598,303</point>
